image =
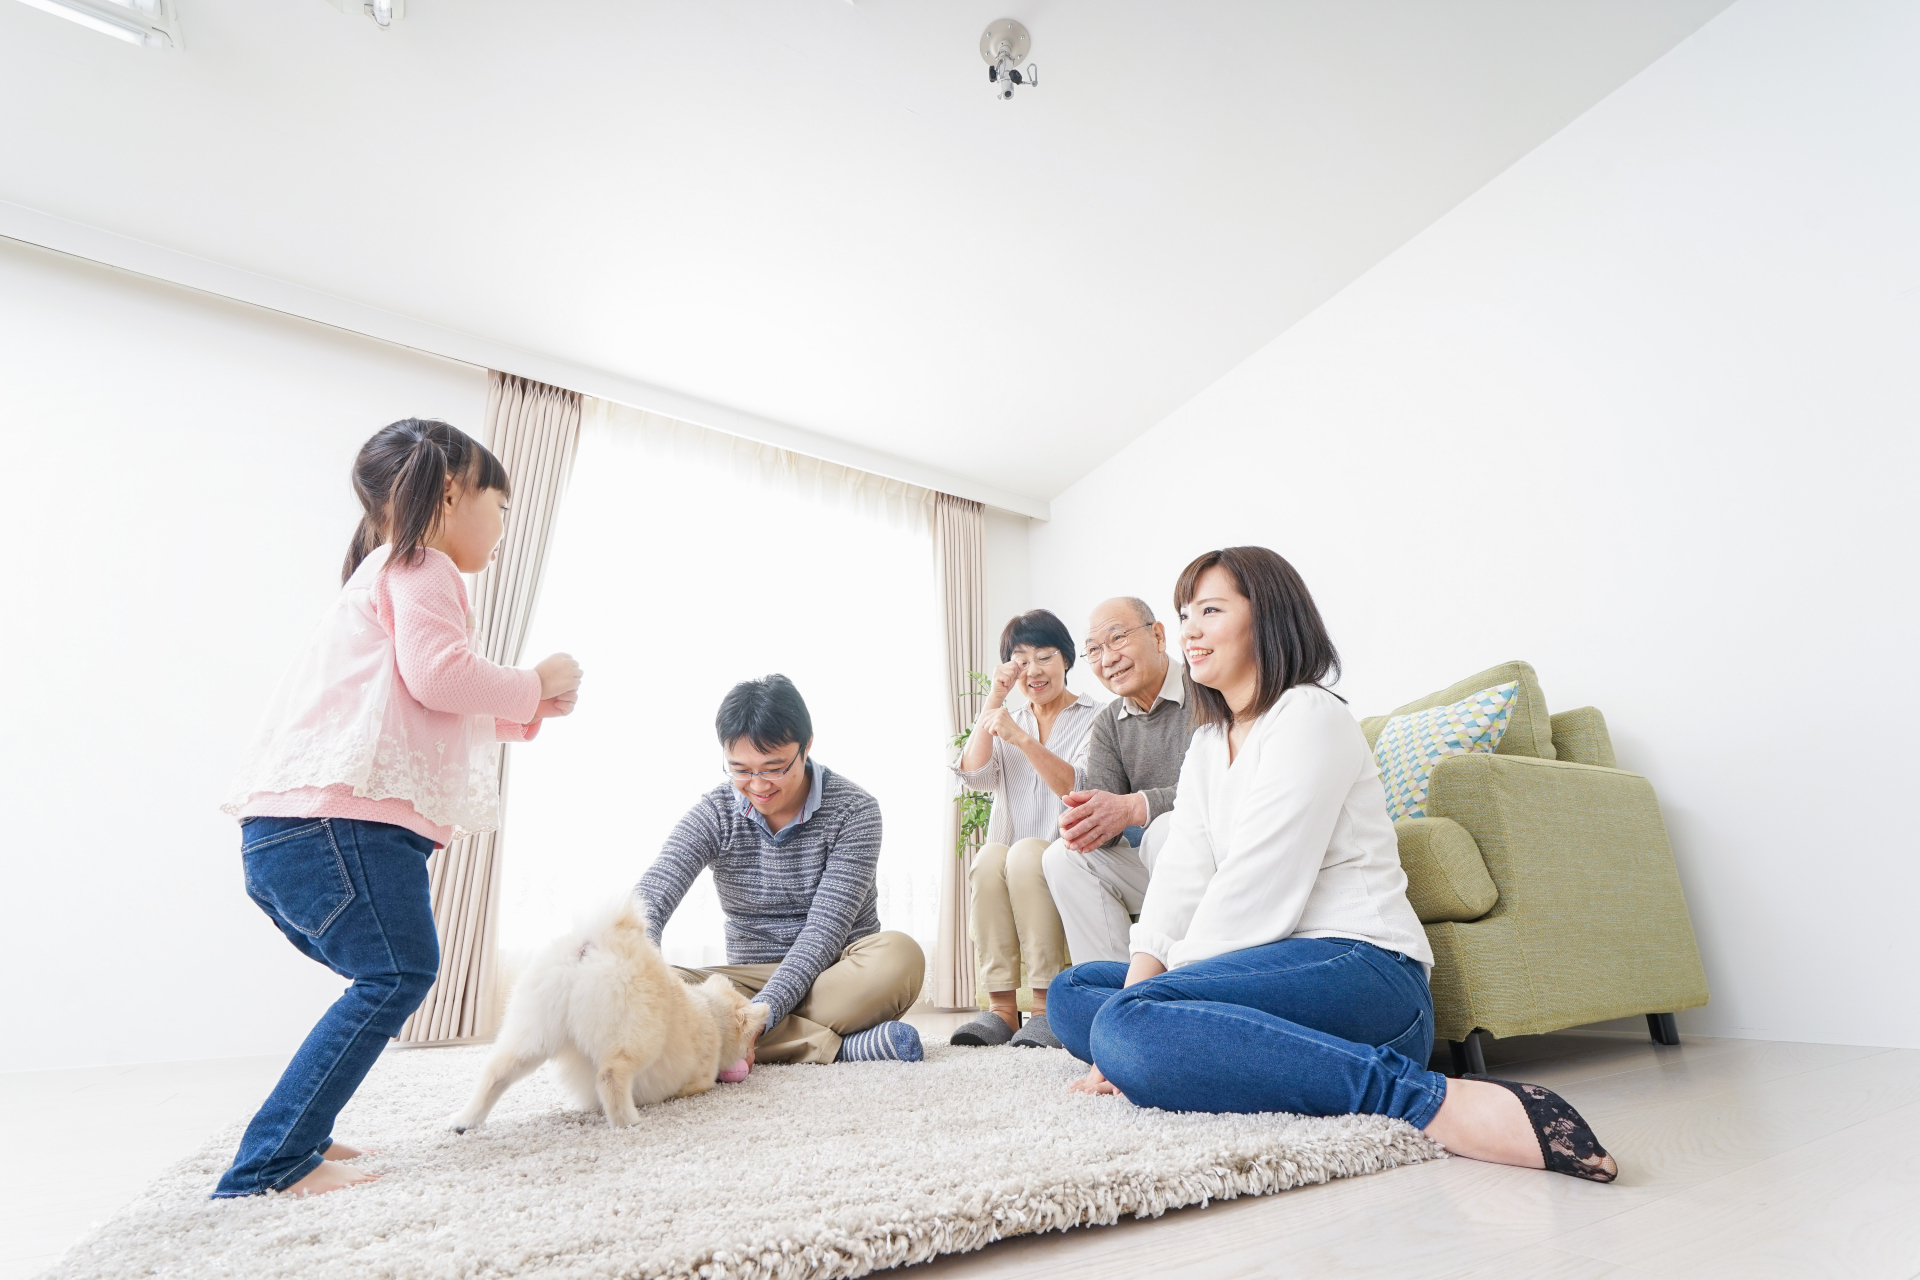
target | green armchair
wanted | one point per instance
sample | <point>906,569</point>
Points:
<point>1545,881</point>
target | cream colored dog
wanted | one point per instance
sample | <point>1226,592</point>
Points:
<point>625,1029</point>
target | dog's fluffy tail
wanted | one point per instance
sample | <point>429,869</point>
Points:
<point>628,912</point>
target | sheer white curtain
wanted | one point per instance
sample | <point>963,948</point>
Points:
<point>685,561</point>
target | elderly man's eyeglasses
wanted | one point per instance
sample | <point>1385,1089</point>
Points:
<point>741,777</point>
<point>1096,647</point>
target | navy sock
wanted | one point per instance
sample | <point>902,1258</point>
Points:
<point>888,1042</point>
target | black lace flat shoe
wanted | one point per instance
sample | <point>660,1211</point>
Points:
<point>1567,1144</point>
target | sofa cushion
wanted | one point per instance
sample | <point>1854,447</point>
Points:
<point>1446,878</point>
<point>1581,736</point>
<point>1529,730</point>
<point>1410,744</point>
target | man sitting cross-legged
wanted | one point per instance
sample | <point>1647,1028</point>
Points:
<point>1122,808</point>
<point>793,847</point>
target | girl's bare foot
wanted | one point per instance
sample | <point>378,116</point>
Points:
<point>341,1151</point>
<point>331,1175</point>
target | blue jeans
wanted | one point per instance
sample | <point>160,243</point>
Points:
<point>1317,1026</point>
<point>352,895</point>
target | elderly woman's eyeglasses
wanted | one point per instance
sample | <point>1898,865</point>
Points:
<point>1113,641</point>
<point>741,777</point>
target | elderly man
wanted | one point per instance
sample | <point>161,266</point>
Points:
<point>1118,817</point>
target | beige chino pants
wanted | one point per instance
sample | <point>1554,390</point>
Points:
<point>1015,925</point>
<point>875,980</point>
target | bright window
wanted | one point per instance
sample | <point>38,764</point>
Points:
<point>685,561</point>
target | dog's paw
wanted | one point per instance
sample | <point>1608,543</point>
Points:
<point>460,1124</point>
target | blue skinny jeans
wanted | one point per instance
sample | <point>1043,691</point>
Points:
<point>1316,1026</point>
<point>352,895</point>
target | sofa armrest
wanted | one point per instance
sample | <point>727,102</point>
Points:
<point>1446,879</point>
<point>1589,896</point>
<point>1581,736</point>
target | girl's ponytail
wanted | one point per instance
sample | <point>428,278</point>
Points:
<point>401,480</point>
<point>365,539</point>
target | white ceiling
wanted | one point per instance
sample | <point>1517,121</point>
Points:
<point>812,210</point>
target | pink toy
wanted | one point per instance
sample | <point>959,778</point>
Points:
<point>735,1073</point>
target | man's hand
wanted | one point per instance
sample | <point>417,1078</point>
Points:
<point>754,1044</point>
<point>1094,818</point>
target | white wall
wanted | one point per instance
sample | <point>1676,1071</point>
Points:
<point>1642,411</point>
<point>177,507</point>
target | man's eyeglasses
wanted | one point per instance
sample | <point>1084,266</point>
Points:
<point>740,777</point>
<point>1095,648</point>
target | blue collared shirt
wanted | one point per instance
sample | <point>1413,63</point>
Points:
<point>745,807</point>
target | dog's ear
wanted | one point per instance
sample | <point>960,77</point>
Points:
<point>718,982</point>
<point>751,1019</point>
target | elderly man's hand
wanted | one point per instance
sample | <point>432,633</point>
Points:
<point>1094,818</point>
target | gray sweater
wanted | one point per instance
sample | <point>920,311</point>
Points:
<point>796,899</point>
<point>1140,751</point>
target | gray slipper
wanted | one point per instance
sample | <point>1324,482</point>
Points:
<point>988,1028</point>
<point>1036,1034</point>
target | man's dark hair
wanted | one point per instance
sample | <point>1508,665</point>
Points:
<point>1290,643</point>
<point>1042,630</point>
<point>768,712</point>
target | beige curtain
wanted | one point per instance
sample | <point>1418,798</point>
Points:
<point>533,429</point>
<point>959,540</point>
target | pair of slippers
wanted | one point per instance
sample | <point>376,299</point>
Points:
<point>991,1028</point>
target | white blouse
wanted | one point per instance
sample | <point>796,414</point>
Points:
<point>1290,841</point>
<point>1023,804</point>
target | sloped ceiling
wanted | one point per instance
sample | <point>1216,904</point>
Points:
<point>813,210</point>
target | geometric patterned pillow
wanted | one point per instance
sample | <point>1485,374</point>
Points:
<point>1409,745</point>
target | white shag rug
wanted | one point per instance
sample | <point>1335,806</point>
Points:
<point>800,1172</point>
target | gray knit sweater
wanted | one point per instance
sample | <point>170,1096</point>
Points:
<point>796,900</point>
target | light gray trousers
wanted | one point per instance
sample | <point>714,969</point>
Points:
<point>1099,892</point>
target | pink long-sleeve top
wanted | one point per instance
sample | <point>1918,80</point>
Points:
<point>389,715</point>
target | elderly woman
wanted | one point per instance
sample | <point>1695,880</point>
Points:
<point>1026,757</point>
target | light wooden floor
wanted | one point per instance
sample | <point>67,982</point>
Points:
<point>1739,1158</point>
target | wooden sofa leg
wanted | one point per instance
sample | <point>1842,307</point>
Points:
<point>1469,1056</point>
<point>1663,1028</point>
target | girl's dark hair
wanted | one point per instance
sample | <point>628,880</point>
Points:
<point>768,712</point>
<point>1041,629</point>
<point>1290,643</point>
<point>400,477</point>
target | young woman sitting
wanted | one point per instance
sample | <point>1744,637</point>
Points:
<point>1277,965</point>
<point>1026,757</point>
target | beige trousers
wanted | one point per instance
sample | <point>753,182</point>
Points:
<point>1014,921</point>
<point>876,979</point>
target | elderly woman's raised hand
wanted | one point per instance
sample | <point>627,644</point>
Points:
<point>1005,677</point>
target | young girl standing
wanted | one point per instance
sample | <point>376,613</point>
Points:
<point>378,748</point>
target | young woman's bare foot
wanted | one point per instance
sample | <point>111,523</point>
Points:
<point>1094,1082</point>
<point>341,1151</point>
<point>331,1175</point>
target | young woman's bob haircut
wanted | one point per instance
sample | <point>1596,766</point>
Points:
<point>1039,629</point>
<point>1290,643</point>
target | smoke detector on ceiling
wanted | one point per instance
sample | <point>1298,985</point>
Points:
<point>1003,44</point>
<point>383,12</point>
